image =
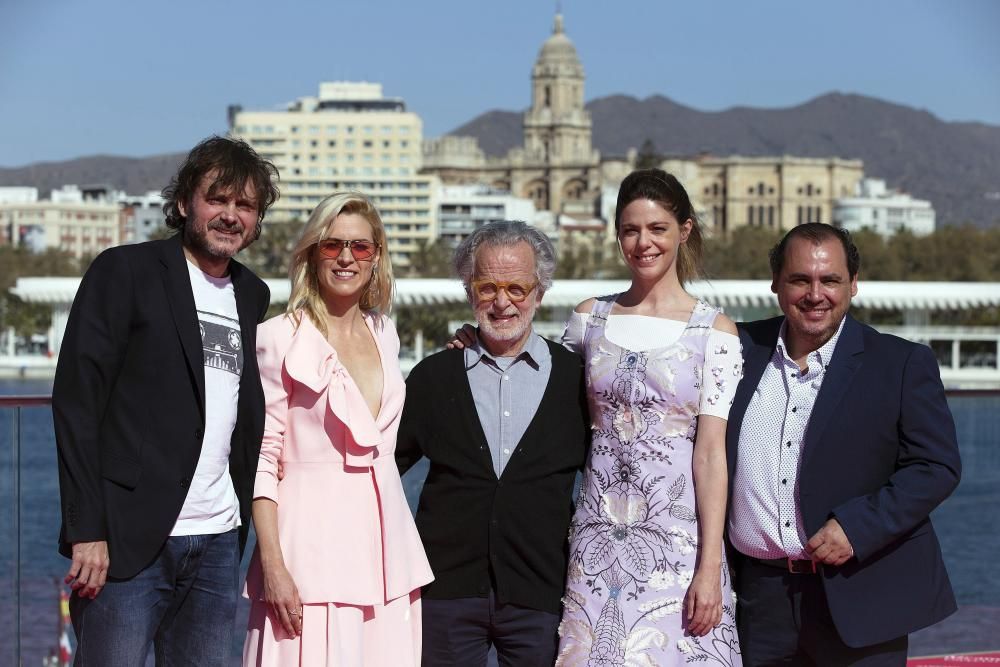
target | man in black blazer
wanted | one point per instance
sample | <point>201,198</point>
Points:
<point>504,425</point>
<point>158,413</point>
<point>840,444</point>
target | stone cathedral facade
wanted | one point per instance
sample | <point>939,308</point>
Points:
<point>560,171</point>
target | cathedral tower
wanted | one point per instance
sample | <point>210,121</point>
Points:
<point>557,128</point>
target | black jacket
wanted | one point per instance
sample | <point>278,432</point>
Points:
<point>128,401</point>
<point>479,530</point>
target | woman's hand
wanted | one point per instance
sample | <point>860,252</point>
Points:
<point>283,597</point>
<point>463,337</point>
<point>703,602</point>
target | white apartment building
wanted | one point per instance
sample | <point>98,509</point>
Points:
<point>15,194</point>
<point>464,208</point>
<point>348,137</point>
<point>69,221</point>
<point>142,215</point>
<point>884,212</point>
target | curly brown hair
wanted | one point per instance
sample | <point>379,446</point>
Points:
<point>235,164</point>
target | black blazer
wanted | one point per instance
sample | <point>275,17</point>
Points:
<point>128,401</point>
<point>880,453</point>
<point>474,526</point>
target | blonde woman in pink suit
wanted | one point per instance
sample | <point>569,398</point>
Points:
<point>335,578</point>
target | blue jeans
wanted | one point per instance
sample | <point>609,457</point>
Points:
<point>184,603</point>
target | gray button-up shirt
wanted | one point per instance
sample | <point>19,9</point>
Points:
<point>507,391</point>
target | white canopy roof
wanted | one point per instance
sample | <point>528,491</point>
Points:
<point>728,294</point>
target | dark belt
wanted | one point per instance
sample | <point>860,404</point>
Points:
<point>790,564</point>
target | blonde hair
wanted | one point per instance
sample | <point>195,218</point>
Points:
<point>305,296</point>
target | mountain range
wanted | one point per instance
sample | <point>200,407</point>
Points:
<point>134,175</point>
<point>956,165</point>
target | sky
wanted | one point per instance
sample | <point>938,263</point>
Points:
<point>142,77</point>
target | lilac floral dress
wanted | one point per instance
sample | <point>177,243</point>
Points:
<point>634,535</point>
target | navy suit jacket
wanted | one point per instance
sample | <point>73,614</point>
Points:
<point>128,401</point>
<point>880,453</point>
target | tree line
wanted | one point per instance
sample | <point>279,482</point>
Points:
<point>952,254</point>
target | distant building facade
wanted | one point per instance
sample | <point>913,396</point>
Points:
<point>74,220</point>
<point>142,216</point>
<point>15,194</point>
<point>558,169</point>
<point>348,137</point>
<point>875,207</point>
<point>775,193</point>
<point>464,208</point>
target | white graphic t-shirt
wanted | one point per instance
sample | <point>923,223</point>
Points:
<point>211,506</point>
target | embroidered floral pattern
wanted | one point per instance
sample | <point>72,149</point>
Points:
<point>634,535</point>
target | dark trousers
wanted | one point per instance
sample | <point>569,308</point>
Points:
<point>784,619</point>
<point>460,632</point>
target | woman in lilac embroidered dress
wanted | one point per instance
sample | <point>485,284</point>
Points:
<point>648,583</point>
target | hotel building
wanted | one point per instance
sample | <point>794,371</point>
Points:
<point>348,137</point>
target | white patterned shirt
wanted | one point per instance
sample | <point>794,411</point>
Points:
<point>211,506</point>
<point>765,520</point>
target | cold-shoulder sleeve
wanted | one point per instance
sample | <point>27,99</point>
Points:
<point>722,372</point>
<point>576,327</point>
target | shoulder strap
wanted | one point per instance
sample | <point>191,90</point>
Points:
<point>598,317</point>
<point>703,317</point>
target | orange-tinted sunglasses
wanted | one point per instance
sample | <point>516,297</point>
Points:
<point>361,249</point>
<point>488,290</point>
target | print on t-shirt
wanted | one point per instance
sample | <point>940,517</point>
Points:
<point>221,342</point>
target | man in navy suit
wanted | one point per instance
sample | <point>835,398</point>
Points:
<point>840,444</point>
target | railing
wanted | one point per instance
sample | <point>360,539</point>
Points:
<point>17,403</point>
<point>967,524</point>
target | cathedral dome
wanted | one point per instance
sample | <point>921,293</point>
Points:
<point>558,48</point>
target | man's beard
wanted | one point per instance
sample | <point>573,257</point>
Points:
<point>200,240</point>
<point>506,333</point>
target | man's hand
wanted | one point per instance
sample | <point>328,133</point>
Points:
<point>463,338</point>
<point>89,570</point>
<point>830,545</point>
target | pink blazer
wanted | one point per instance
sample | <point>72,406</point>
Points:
<point>346,532</point>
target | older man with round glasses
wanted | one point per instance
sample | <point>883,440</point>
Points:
<point>504,425</point>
